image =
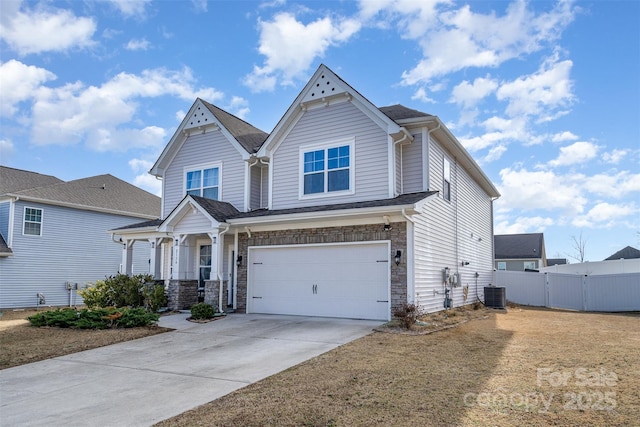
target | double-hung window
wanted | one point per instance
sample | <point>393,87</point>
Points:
<point>32,222</point>
<point>446,180</point>
<point>327,169</point>
<point>204,182</point>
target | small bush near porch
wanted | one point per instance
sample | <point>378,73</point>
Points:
<point>122,290</point>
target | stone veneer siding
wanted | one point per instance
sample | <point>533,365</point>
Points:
<point>211,290</point>
<point>355,233</point>
<point>182,294</point>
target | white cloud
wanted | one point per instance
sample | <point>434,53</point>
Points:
<point>421,95</point>
<point>40,30</point>
<point>461,38</point>
<point>199,5</point>
<point>290,46</point>
<point>131,8</point>
<point>525,190</point>
<point>548,89</point>
<point>616,185</point>
<point>138,44</point>
<point>7,150</point>
<point>239,107</point>
<point>103,116</point>
<point>615,156</point>
<point>469,94</point>
<point>605,215</point>
<point>494,153</point>
<point>23,80</point>
<point>536,224</point>
<point>564,136</point>
<point>578,152</point>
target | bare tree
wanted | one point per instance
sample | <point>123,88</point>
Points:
<point>579,245</point>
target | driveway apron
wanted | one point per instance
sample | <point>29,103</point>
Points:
<point>141,382</point>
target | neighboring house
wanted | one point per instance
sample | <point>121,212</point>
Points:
<point>625,253</point>
<point>519,252</point>
<point>53,234</point>
<point>556,261</point>
<point>343,210</point>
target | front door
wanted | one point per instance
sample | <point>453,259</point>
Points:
<point>204,268</point>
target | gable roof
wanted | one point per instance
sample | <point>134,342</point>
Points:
<point>519,246</point>
<point>249,136</point>
<point>400,112</point>
<point>626,253</point>
<point>104,193</point>
<point>17,179</point>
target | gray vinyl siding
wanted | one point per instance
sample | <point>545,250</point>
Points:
<point>203,149</point>
<point>259,185</point>
<point>4,220</point>
<point>518,264</point>
<point>443,237</point>
<point>412,169</point>
<point>324,125</point>
<point>74,247</point>
<point>192,223</point>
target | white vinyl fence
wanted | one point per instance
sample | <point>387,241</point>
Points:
<point>606,292</point>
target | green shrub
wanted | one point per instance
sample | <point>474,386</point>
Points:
<point>202,311</point>
<point>100,318</point>
<point>122,290</point>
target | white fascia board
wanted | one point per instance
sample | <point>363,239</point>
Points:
<point>18,197</point>
<point>325,215</point>
<point>181,210</point>
<point>140,234</point>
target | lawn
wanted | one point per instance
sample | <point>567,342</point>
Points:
<point>530,367</point>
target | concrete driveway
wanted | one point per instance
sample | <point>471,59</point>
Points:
<point>141,382</point>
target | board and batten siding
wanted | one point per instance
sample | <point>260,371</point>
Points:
<point>202,150</point>
<point>74,247</point>
<point>448,233</point>
<point>326,125</point>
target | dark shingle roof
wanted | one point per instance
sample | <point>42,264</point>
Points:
<point>144,224</point>
<point>516,246</point>
<point>220,211</point>
<point>556,261</point>
<point>400,112</point>
<point>626,253</point>
<point>249,136</point>
<point>404,199</point>
<point>12,180</point>
<point>102,192</point>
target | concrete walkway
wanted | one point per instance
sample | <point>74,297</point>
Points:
<point>141,382</point>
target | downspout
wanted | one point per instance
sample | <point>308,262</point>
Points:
<point>406,135</point>
<point>219,272</point>
<point>409,254</point>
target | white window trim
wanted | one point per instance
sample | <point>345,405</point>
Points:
<point>351,142</point>
<point>502,264</point>
<point>24,221</point>
<point>445,163</point>
<point>202,167</point>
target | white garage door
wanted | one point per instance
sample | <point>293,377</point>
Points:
<point>347,280</point>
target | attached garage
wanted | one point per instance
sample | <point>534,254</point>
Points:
<point>332,280</point>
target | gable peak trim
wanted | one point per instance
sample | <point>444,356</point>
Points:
<point>199,118</point>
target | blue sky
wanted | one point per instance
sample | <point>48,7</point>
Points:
<point>544,95</point>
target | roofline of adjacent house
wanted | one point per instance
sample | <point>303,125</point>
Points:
<point>22,197</point>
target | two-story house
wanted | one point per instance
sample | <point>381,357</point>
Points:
<point>53,234</point>
<point>344,209</point>
<point>520,252</point>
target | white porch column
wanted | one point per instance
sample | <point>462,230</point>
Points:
<point>155,258</point>
<point>180,257</point>
<point>127,257</point>
<point>215,253</point>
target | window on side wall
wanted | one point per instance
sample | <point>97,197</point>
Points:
<point>326,169</point>
<point>502,265</point>
<point>203,182</point>
<point>529,265</point>
<point>32,222</point>
<point>446,180</point>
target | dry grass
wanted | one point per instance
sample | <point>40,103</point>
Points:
<point>503,370</point>
<point>20,343</point>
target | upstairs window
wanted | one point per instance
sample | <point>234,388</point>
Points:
<point>327,169</point>
<point>446,180</point>
<point>32,222</point>
<point>204,182</point>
